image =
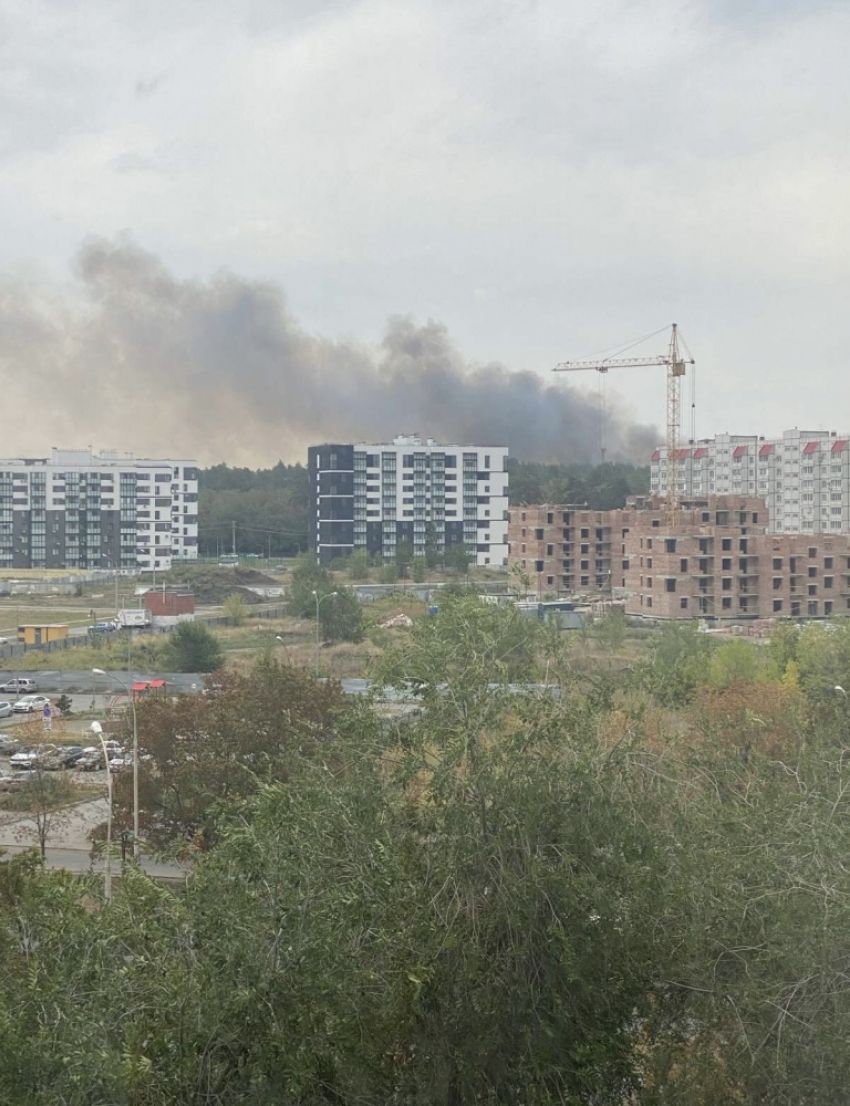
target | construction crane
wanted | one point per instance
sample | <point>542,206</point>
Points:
<point>674,363</point>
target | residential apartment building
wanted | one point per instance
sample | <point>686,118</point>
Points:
<point>78,509</point>
<point>803,477</point>
<point>375,496</point>
<point>567,550</point>
<point>717,561</point>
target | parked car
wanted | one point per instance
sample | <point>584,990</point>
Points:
<point>69,755</point>
<point>29,703</point>
<point>90,761</point>
<point>5,708</point>
<point>103,628</point>
<point>8,744</point>
<point>28,758</point>
<point>19,684</point>
<point>8,780</point>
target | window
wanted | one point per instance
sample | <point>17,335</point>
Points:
<point>726,544</point>
<point>550,549</point>
<point>827,581</point>
<point>726,602</point>
<point>549,516</point>
<point>813,551</point>
<point>649,562</point>
<point>777,605</point>
<point>683,603</point>
<point>777,583</point>
<point>550,580</point>
<point>813,571</point>
<point>669,545</point>
<point>538,566</point>
<point>670,584</point>
<point>538,533</point>
<point>683,564</point>
<point>777,563</point>
<point>726,564</point>
<point>649,600</point>
<point>827,562</point>
<point>727,583</point>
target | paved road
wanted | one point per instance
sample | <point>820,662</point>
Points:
<point>83,680</point>
<point>68,842</point>
<point>79,860</point>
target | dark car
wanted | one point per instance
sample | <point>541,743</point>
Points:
<point>69,755</point>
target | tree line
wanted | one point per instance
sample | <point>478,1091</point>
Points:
<point>630,888</point>
<point>270,506</point>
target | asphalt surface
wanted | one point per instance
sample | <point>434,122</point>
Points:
<point>85,682</point>
<point>68,844</point>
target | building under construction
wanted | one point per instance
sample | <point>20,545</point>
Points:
<point>714,559</point>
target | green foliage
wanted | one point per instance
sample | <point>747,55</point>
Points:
<point>235,609</point>
<point>601,487</point>
<point>308,577</point>
<point>64,704</point>
<point>740,662</point>
<point>676,664</point>
<point>204,750</point>
<point>341,616</point>
<point>389,573</point>
<point>193,647</point>
<point>403,557</point>
<point>823,656</point>
<point>268,505</point>
<point>358,565</point>
<point>610,630</point>
<point>419,569</point>
<point>502,896</point>
<point>458,557</point>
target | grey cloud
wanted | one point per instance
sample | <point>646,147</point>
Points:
<point>221,367</point>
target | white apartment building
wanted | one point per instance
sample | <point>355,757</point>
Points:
<point>804,476</point>
<point>409,490</point>
<point>78,509</point>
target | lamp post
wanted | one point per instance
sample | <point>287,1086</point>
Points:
<point>97,730</point>
<point>319,602</point>
<point>278,638</point>
<point>109,676</point>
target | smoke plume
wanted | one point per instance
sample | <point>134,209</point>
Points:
<point>134,359</point>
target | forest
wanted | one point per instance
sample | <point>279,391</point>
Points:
<point>534,874</point>
<point>269,506</point>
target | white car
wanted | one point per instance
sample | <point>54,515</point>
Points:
<point>5,708</point>
<point>26,758</point>
<point>29,703</point>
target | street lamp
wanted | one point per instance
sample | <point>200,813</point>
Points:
<point>97,730</point>
<point>109,676</point>
<point>319,601</point>
<point>277,637</point>
<point>840,690</point>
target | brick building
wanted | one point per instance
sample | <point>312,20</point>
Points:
<point>566,549</point>
<point>717,561</point>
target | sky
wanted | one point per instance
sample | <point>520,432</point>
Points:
<point>528,180</point>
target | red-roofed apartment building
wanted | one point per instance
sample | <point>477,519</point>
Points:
<point>803,477</point>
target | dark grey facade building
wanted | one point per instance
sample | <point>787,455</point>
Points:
<point>78,509</point>
<point>374,497</point>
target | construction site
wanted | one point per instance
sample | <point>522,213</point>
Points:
<point>717,557</point>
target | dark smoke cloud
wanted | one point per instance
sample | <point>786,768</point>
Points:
<point>135,359</point>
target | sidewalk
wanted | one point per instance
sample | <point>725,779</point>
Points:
<point>68,844</point>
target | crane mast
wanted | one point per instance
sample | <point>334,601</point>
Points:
<point>675,364</point>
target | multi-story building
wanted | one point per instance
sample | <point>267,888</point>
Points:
<point>567,549</point>
<point>375,496</point>
<point>716,560</point>
<point>78,509</point>
<point>804,476</point>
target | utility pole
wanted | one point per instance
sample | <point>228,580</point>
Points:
<point>233,524</point>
